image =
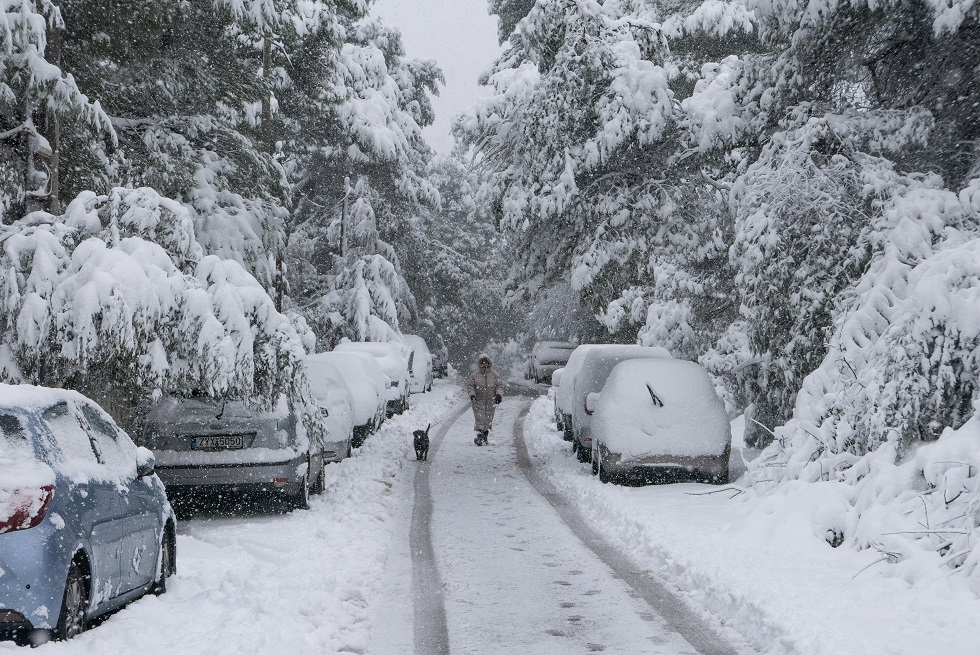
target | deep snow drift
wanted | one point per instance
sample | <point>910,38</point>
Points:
<point>760,566</point>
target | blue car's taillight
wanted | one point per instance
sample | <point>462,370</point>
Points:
<point>25,508</point>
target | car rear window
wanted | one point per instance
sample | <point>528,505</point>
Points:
<point>19,467</point>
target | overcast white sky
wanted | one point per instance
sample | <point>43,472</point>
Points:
<point>461,37</point>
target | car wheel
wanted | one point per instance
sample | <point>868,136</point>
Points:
<point>584,456</point>
<point>74,607</point>
<point>321,479</point>
<point>166,562</point>
<point>604,476</point>
<point>302,499</point>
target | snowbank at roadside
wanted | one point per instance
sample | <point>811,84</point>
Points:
<point>760,568</point>
<point>269,583</point>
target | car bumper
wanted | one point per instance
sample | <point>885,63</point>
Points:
<point>700,466</point>
<point>34,567</point>
<point>218,475</point>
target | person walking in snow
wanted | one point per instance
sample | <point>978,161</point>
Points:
<point>484,388</point>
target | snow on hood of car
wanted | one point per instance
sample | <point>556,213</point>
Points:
<point>660,407</point>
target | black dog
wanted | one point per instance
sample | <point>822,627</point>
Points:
<point>422,444</point>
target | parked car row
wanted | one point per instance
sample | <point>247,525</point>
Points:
<point>636,413</point>
<point>85,521</point>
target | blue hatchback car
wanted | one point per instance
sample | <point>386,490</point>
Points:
<point>85,525</point>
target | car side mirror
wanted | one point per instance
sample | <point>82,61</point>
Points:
<point>324,412</point>
<point>556,377</point>
<point>591,402</point>
<point>146,462</point>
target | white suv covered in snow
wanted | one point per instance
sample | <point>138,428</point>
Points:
<point>659,418</point>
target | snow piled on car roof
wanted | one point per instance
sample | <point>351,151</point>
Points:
<point>31,398</point>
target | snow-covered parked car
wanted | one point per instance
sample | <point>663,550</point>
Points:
<point>659,417</point>
<point>419,364</point>
<point>85,525</point>
<point>336,404</point>
<point>368,385</point>
<point>555,382</point>
<point>596,366</point>
<point>546,357</point>
<point>204,445</point>
<point>393,359</point>
<point>565,385</point>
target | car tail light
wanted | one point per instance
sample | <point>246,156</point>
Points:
<point>27,508</point>
<point>280,482</point>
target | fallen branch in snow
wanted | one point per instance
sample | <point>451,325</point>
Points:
<point>887,556</point>
<point>737,490</point>
<point>952,558</point>
<point>877,561</point>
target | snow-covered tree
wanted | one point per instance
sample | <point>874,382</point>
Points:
<point>184,85</point>
<point>455,263</point>
<point>118,293</point>
<point>355,108</point>
<point>36,96</point>
<point>602,152</point>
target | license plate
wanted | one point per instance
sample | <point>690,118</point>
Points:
<point>218,442</point>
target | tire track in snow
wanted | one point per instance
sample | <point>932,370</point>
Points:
<point>431,634</point>
<point>645,586</point>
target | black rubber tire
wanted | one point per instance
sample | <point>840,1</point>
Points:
<point>321,480</point>
<point>302,499</point>
<point>167,568</point>
<point>73,619</point>
<point>597,466</point>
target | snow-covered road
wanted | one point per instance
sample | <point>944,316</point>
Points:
<point>515,578</point>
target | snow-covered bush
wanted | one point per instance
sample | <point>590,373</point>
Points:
<point>118,290</point>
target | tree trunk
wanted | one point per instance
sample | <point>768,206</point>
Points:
<point>52,125</point>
